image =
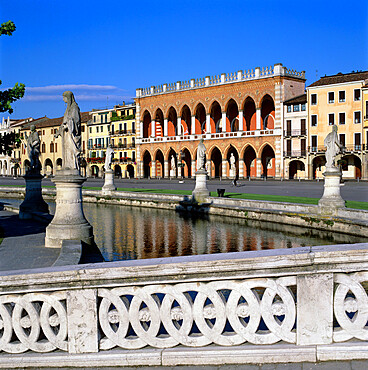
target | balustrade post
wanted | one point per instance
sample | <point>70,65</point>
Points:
<point>315,309</point>
<point>82,321</point>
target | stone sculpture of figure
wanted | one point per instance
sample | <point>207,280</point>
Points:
<point>109,156</point>
<point>333,148</point>
<point>201,156</point>
<point>232,162</point>
<point>33,149</point>
<point>173,166</point>
<point>70,132</point>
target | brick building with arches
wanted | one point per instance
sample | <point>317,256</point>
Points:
<point>239,113</point>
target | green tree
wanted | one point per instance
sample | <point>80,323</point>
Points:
<point>10,95</point>
<point>11,140</point>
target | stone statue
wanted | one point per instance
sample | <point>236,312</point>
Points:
<point>201,156</point>
<point>173,166</point>
<point>109,156</point>
<point>232,162</point>
<point>333,148</point>
<point>70,132</point>
<point>33,150</point>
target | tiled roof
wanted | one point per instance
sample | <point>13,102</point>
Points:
<point>51,122</point>
<point>297,100</point>
<point>341,78</point>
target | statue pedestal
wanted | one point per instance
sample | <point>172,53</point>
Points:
<point>69,222</point>
<point>109,185</point>
<point>33,202</point>
<point>331,199</point>
<point>200,192</point>
<point>232,173</point>
<point>172,173</point>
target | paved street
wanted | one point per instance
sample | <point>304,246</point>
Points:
<point>352,190</point>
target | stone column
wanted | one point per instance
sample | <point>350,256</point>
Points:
<point>69,222</point>
<point>141,169</point>
<point>165,127</point>
<point>258,119</point>
<point>179,126</point>
<point>193,119</point>
<point>153,169</point>
<point>259,167</point>
<point>241,123</point>
<point>278,158</point>
<point>166,169</point>
<point>208,123</point>
<point>140,129</point>
<point>223,122</point>
<point>153,128</point>
<point>224,168</point>
<point>33,203</point>
<point>241,168</point>
<point>193,169</point>
<point>109,185</point>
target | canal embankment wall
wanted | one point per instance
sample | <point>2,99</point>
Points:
<point>345,220</point>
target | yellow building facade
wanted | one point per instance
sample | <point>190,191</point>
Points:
<point>337,100</point>
<point>114,127</point>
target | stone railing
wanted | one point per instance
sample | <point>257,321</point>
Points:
<point>224,78</point>
<point>309,299</point>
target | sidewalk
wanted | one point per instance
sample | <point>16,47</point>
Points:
<point>23,246</point>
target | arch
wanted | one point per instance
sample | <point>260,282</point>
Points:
<point>215,117</point>
<point>249,114</point>
<point>267,111</point>
<point>95,170</point>
<point>317,163</point>
<point>234,151</point>
<point>172,122</point>
<point>159,122</point>
<point>268,161</point>
<point>147,163</point>
<point>232,116</point>
<point>200,118</point>
<point>186,162</point>
<point>117,170</point>
<point>59,163</point>
<point>186,120</point>
<point>215,157</point>
<point>147,122</point>
<point>250,162</point>
<point>160,163</point>
<point>130,171</point>
<point>351,166</point>
<point>49,168</point>
<point>294,167</point>
<point>27,166</point>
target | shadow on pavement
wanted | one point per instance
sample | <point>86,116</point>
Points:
<point>13,226</point>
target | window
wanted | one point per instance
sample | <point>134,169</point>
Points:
<point>331,97</point>
<point>43,148</point>
<point>52,148</point>
<point>296,108</point>
<point>97,129</point>
<point>303,147</point>
<point>366,110</point>
<point>313,99</point>
<point>133,156</point>
<point>357,118</point>
<point>356,94</point>
<point>112,129</point>
<point>125,154</point>
<point>43,132</point>
<point>314,120</point>
<point>357,142</point>
<point>120,127</point>
<point>342,139</point>
<point>133,125</point>
<point>341,118</point>
<point>331,119</point>
<point>83,128</point>
<point>341,96</point>
<point>303,130</point>
<point>101,128</point>
<point>55,147</point>
<point>125,127</point>
<point>288,127</point>
<point>314,143</point>
<point>94,119</point>
<point>90,130</point>
<point>304,107</point>
<point>289,108</point>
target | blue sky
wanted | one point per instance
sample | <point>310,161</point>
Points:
<point>104,50</point>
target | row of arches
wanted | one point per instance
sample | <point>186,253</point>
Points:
<point>96,171</point>
<point>248,163</point>
<point>231,119</point>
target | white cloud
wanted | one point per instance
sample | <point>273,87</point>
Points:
<point>52,88</point>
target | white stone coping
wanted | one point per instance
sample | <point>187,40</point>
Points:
<point>210,355</point>
<point>264,263</point>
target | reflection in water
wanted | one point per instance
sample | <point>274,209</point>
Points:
<point>123,233</point>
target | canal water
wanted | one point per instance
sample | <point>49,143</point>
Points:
<point>124,233</point>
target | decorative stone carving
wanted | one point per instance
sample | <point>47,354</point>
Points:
<point>201,156</point>
<point>333,148</point>
<point>109,156</point>
<point>33,150</point>
<point>200,192</point>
